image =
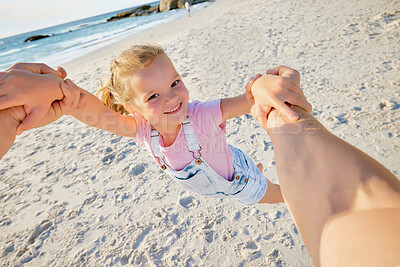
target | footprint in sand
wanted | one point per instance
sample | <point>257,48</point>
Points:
<point>286,240</point>
<point>250,251</point>
<point>138,169</point>
<point>44,226</point>
<point>274,258</point>
<point>209,236</point>
<point>187,202</point>
<point>108,159</point>
<point>29,252</point>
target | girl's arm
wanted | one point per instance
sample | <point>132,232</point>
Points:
<point>235,106</point>
<point>239,105</point>
<point>96,114</point>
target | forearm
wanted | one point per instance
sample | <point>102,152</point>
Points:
<point>235,106</point>
<point>310,145</point>
<point>321,175</point>
<point>96,114</point>
<point>8,128</point>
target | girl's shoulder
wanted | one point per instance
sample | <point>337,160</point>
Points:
<point>206,116</point>
<point>143,130</point>
<point>199,108</point>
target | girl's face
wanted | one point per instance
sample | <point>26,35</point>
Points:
<point>159,95</point>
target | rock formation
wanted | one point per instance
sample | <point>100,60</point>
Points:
<point>144,10</point>
<point>37,37</point>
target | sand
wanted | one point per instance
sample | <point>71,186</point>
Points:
<point>71,195</point>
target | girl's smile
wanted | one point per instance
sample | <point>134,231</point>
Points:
<point>159,95</point>
<point>175,109</point>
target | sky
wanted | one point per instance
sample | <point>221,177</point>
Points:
<point>19,16</point>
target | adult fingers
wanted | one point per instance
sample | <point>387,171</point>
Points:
<point>284,109</point>
<point>8,101</point>
<point>68,99</point>
<point>39,68</point>
<point>302,102</point>
<point>62,71</point>
<point>32,67</point>
<point>56,107</point>
<point>31,120</point>
<point>44,69</point>
<point>75,93</point>
<point>274,71</point>
<point>259,114</point>
<point>278,70</point>
<point>287,72</point>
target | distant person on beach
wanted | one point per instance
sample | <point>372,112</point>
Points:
<point>187,6</point>
<point>346,205</point>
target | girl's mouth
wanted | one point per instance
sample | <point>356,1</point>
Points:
<point>175,109</point>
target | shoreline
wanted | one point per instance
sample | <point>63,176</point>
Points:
<point>158,33</point>
<point>74,195</point>
<point>140,36</point>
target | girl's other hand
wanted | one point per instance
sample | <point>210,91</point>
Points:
<point>249,95</point>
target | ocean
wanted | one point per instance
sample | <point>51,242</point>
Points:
<point>74,39</point>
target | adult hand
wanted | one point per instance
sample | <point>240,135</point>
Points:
<point>287,72</point>
<point>39,68</point>
<point>72,101</point>
<point>279,89</point>
<point>25,85</point>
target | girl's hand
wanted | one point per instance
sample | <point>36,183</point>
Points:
<point>73,99</point>
<point>249,96</point>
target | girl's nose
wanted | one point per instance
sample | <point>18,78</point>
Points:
<point>171,96</point>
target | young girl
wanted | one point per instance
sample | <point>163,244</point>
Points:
<point>145,98</point>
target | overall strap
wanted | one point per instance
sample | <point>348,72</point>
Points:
<point>155,145</point>
<point>191,139</point>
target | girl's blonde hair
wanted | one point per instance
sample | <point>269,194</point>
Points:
<point>116,91</point>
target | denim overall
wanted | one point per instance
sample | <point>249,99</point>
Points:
<point>248,185</point>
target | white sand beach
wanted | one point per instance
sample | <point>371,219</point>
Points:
<point>71,195</point>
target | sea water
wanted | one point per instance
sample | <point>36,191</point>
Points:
<point>74,39</point>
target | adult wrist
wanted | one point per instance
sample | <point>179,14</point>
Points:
<point>11,117</point>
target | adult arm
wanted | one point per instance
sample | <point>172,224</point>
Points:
<point>9,120</point>
<point>345,204</point>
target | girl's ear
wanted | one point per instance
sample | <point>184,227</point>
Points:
<point>131,109</point>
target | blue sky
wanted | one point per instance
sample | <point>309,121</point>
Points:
<point>19,16</point>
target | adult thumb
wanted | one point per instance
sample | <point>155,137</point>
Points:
<point>30,121</point>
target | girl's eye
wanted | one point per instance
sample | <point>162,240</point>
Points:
<point>153,96</point>
<point>175,83</point>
